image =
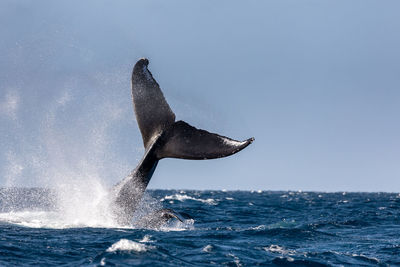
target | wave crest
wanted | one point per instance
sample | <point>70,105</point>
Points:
<point>128,245</point>
<point>182,198</point>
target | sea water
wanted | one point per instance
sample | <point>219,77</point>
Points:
<point>229,228</point>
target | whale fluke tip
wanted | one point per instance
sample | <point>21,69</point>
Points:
<point>142,62</point>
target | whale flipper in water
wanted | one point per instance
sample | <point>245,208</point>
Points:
<point>163,138</point>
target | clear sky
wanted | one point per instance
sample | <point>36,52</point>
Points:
<point>317,83</point>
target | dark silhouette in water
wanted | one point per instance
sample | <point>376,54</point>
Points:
<point>163,138</point>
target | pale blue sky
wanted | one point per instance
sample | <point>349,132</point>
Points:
<point>317,83</point>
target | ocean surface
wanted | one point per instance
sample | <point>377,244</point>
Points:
<point>229,228</point>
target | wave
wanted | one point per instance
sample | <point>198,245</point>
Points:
<point>280,250</point>
<point>182,198</point>
<point>146,239</point>
<point>275,231</point>
<point>128,245</point>
<point>207,248</point>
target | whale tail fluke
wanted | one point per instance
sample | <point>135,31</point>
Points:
<point>162,138</point>
<point>178,139</point>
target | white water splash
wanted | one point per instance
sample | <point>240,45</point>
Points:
<point>177,226</point>
<point>32,219</point>
<point>85,203</point>
<point>67,146</point>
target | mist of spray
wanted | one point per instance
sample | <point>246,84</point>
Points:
<point>71,145</point>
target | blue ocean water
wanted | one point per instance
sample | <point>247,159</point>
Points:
<point>229,228</point>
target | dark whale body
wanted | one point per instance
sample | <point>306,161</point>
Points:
<point>163,138</point>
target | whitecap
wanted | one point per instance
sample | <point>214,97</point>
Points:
<point>146,239</point>
<point>278,249</point>
<point>290,259</point>
<point>275,249</point>
<point>127,245</point>
<point>182,198</point>
<point>207,248</point>
<point>376,260</point>
<point>236,259</point>
<point>260,227</point>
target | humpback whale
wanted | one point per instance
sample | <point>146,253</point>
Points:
<point>163,137</point>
